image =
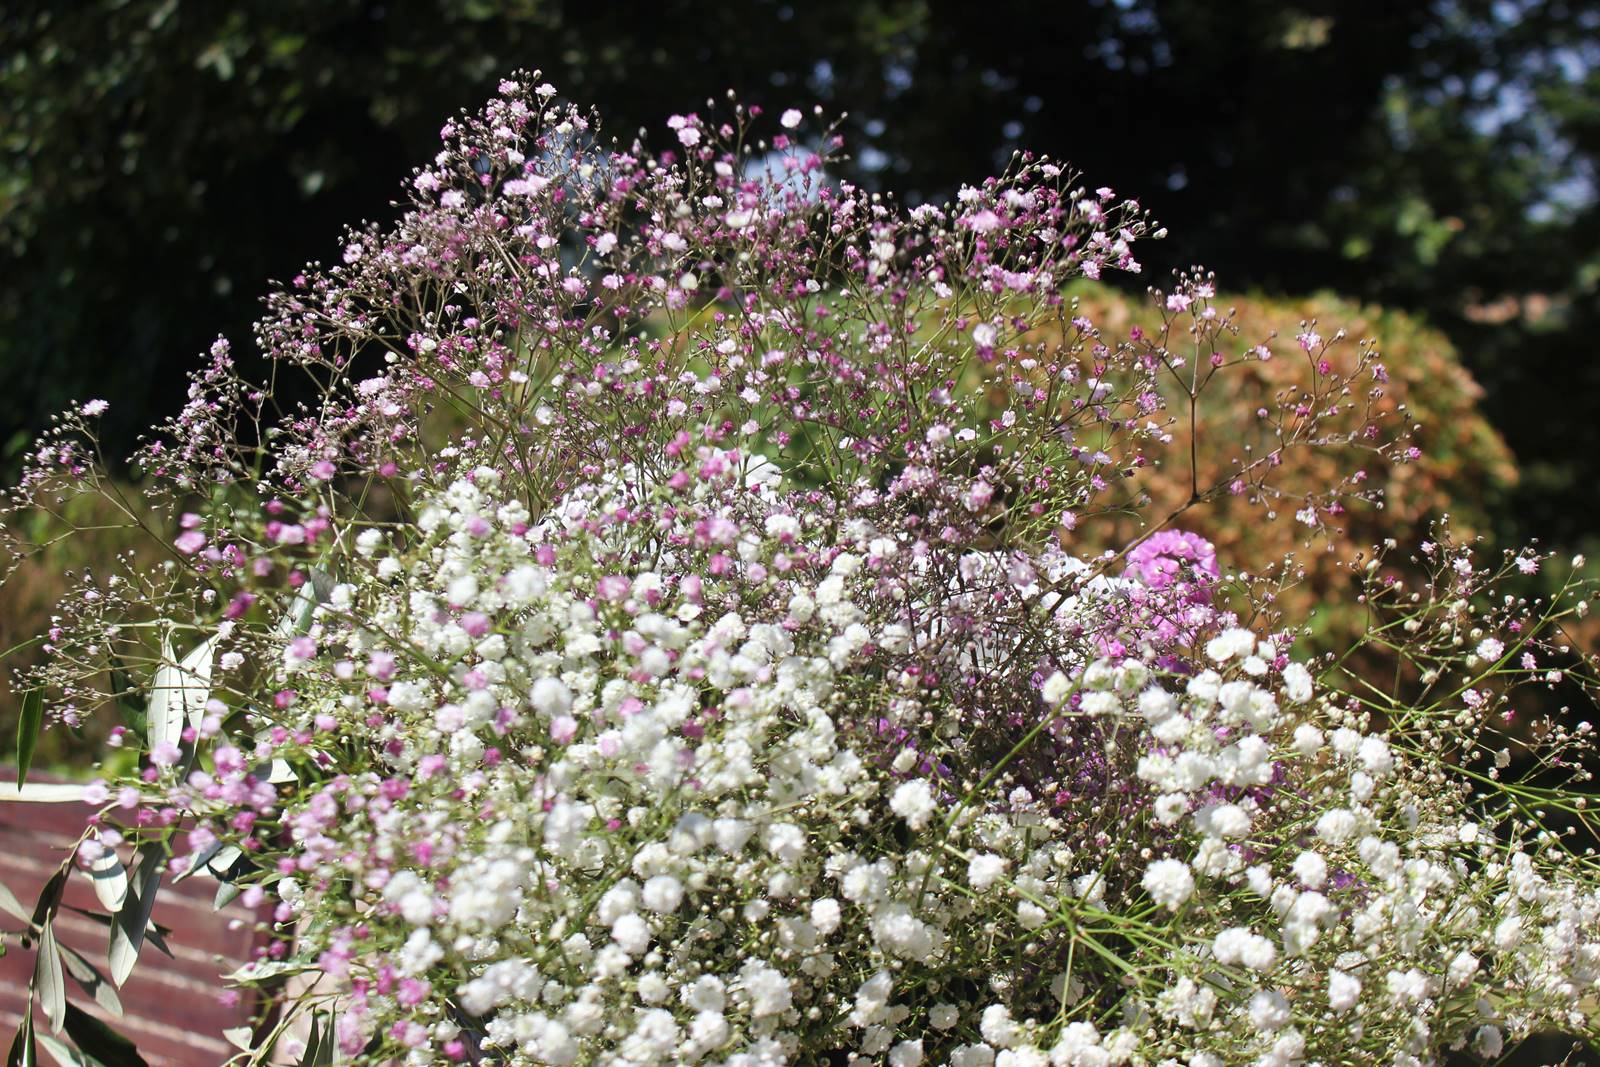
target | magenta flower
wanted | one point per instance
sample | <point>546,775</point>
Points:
<point>1176,559</point>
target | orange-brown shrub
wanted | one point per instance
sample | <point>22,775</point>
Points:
<point>1463,467</point>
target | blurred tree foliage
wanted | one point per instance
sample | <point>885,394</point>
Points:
<point>162,159</point>
<point>1465,470</point>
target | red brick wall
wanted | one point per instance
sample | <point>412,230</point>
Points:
<point>171,1007</point>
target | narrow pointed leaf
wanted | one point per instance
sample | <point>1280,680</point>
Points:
<point>222,863</point>
<point>154,932</point>
<point>163,712</point>
<point>88,976</point>
<point>28,732</point>
<point>297,618</point>
<point>299,608</point>
<point>313,1053</point>
<point>219,861</point>
<point>49,897</point>
<point>64,1054</point>
<point>325,1052</point>
<point>196,672</point>
<point>263,970</point>
<point>48,981</point>
<point>179,692</point>
<point>277,772</point>
<point>22,1053</point>
<point>110,880</point>
<point>100,1041</point>
<point>226,892</point>
<point>13,906</point>
<point>42,793</point>
<point>199,863</point>
<point>128,929</point>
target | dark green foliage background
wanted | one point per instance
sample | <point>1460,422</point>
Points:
<point>163,159</point>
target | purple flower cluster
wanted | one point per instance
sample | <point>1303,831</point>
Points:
<point>1183,562</point>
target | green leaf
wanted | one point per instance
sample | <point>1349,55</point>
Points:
<point>163,711</point>
<point>100,1041</point>
<point>88,976</point>
<point>49,897</point>
<point>279,772</point>
<point>240,1037</point>
<point>199,863</point>
<point>22,1053</point>
<point>179,692</point>
<point>266,969</point>
<point>65,1054</point>
<point>28,731</point>
<point>47,979</point>
<point>19,646</point>
<point>13,906</point>
<point>42,792</point>
<point>276,772</point>
<point>223,863</point>
<point>319,1046</point>
<point>219,861</point>
<point>226,892</point>
<point>154,932</point>
<point>128,929</point>
<point>297,618</point>
<point>110,880</point>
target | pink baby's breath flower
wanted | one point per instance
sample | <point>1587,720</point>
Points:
<point>613,587</point>
<point>1171,557</point>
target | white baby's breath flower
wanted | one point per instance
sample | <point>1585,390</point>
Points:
<point>914,802</point>
<point>1169,882</point>
<point>984,870</point>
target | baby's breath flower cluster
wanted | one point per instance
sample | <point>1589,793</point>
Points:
<point>654,636</point>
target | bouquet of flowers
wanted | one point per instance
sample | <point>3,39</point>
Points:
<point>639,623</point>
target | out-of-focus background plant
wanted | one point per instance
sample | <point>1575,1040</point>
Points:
<point>1433,164</point>
<point>1465,470</point>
